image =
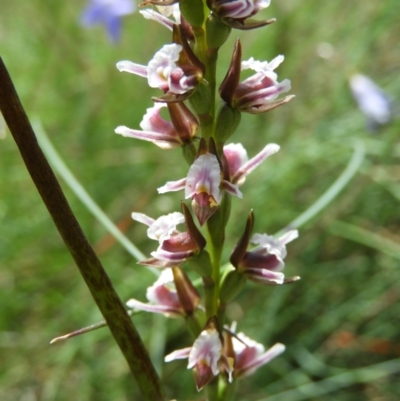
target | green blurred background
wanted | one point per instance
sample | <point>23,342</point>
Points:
<point>340,323</point>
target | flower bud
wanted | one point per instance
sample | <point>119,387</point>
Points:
<point>228,120</point>
<point>228,86</point>
<point>217,32</point>
<point>201,263</point>
<point>187,293</point>
<point>241,247</point>
<point>201,99</point>
<point>231,285</point>
<point>193,11</point>
<point>183,120</point>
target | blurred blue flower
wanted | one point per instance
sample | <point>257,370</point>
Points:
<point>373,102</point>
<point>108,13</point>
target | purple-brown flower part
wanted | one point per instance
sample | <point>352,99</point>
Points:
<point>228,86</point>
<point>238,9</point>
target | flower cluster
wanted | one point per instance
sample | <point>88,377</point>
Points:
<point>190,243</point>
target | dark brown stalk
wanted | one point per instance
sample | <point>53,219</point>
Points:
<point>93,273</point>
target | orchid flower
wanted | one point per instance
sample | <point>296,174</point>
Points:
<point>155,129</point>
<point>164,298</point>
<point>240,165</point>
<point>163,72</point>
<point>108,13</point>
<point>265,263</point>
<point>204,356</point>
<point>257,93</point>
<point>204,185</point>
<point>174,246</point>
<point>250,355</point>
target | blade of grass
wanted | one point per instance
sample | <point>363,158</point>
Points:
<point>365,237</point>
<point>334,383</point>
<point>62,169</point>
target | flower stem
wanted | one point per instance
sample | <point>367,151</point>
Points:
<point>212,390</point>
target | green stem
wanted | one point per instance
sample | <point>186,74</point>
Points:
<point>227,390</point>
<point>100,286</point>
<point>211,390</point>
<point>211,72</point>
<point>200,47</point>
<point>210,303</point>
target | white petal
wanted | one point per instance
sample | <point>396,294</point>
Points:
<point>204,176</point>
<point>178,354</point>
<point>142,218</point>
<point>165,226</point>
<point>155,16</point>
<point>289,236</point>
<point>172,186</point>
<point>163,141</point>
<point>162,65</point>
<point>254,162</point>
<point>128,66</point>
<point>206,349</point>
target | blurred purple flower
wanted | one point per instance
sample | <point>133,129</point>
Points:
<point>373,102</point>
<point>108,13</point>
